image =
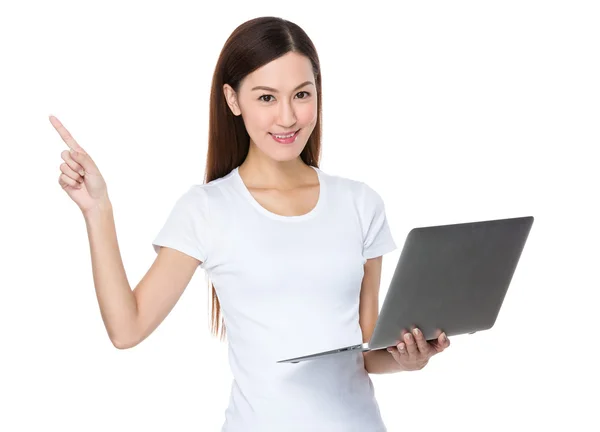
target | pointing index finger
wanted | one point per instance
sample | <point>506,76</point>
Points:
<point>65,134</point>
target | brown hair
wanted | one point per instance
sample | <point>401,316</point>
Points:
<point>251,45</point>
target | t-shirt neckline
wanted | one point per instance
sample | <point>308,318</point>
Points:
<point>312,213</point>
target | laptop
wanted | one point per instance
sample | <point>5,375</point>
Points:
<point>450,278</point>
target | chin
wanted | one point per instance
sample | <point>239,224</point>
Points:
<point>282,153</point>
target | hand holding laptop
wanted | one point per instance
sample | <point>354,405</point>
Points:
<point>412,351</point>
<point>453,277</point>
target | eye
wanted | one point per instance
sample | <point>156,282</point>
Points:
<point>268,95</point>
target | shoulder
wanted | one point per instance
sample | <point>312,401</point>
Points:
<point>358,190</point>
<point>209,191</point>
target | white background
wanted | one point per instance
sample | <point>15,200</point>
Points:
<point>453,111</point>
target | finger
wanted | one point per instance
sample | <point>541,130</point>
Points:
<point>395,354</point>
<point>70,173</point>
<point>66,181</point>
<point>411,346</point>
<point>441,343</point>
<point>398,351</point>
<point>402,336</point>
<point>401,348</point>
<point>85,161</point>
<point>65,134</point>
<point>66,156</point>
<point>422,344</point>
<point>444,341</point>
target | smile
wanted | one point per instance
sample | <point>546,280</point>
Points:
<point>286,139</point>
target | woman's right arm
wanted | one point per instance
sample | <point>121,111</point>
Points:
<point>130,316</point>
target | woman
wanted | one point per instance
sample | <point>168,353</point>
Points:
<point>294,253</point>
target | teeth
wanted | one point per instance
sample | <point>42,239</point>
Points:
<point>284,136</point>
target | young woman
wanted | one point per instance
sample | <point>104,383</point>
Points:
<point>294,253</point>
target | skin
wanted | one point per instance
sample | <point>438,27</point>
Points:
<point>277,178</point>
<point>273,172</point>
<point>281,182</point>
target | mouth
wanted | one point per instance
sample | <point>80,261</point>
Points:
<point>285,138</point>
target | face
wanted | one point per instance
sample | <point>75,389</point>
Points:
<point>278,98</point>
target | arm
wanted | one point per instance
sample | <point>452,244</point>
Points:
<point>380,361</point>
<point>131,316</point>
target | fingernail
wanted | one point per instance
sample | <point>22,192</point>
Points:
<point>401,347</point>
<point>444,338</point>
<point>417,332</point>
<point>82,173</point>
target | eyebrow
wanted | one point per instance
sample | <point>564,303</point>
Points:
<point>276,91</point>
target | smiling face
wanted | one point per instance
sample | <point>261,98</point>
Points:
<point>278,98</point>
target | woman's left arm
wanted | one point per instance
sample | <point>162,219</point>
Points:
<point>412,351</point>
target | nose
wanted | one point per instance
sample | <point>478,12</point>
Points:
<point>286,115</point>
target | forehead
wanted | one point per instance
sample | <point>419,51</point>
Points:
<point>283,73</point>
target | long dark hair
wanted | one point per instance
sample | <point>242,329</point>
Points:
<point>251,45</point>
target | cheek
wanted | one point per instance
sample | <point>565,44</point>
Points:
<point>257,121</point>
<point>307,115</point>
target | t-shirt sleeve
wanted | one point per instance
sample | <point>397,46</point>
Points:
<point>377,237</point>
<point>187,226</point>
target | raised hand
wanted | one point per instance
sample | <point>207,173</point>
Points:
<point>80,177</point>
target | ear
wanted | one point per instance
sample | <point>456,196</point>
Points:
<point>231,99</point>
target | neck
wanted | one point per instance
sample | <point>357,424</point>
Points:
<point>261,171</point>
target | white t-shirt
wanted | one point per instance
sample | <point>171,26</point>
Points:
<point>288,286</point>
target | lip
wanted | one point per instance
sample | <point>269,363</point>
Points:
<point>285,133</point>
<point>286,141</point>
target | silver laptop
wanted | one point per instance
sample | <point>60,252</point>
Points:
<point>450,278</point>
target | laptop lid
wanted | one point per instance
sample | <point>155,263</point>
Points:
<point>452,278</point>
